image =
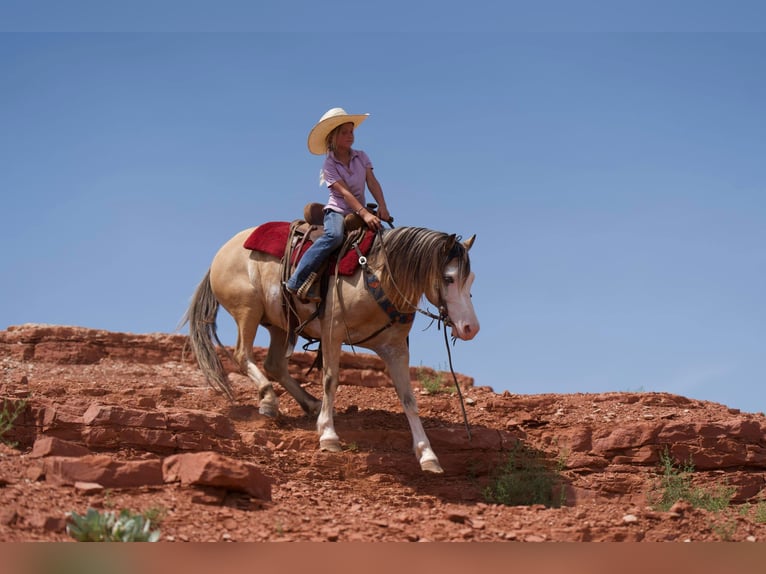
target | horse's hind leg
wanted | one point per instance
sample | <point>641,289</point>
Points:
<point>276,367</point>
<point>247,325</point>
<point>397,360</point>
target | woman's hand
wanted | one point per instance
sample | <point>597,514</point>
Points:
<point>384,214</point>
<point>372,221</point>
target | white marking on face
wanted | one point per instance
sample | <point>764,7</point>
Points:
<point>457,298</point>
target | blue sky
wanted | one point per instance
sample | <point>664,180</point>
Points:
<point>616,183</point>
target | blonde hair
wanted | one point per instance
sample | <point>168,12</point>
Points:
<point>330,145</point>
<point>330,139</point>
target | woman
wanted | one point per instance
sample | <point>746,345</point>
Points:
<point>346,171</point>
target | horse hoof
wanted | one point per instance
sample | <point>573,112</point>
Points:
<point>268,411</point>
<point>431,466</point>
<point>330,446</point>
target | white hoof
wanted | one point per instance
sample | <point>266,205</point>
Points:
<point>431,466</point>
<point>427,458</point>
<point>330,445</point>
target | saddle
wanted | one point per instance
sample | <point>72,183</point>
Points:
<point>304,232</point>
<point>290,240</point>
<point>276,238</point>
<point>313,213</point>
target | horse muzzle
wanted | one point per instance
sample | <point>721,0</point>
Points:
<point>465,330</point>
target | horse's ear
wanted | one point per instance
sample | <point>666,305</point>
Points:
<point>468,243</point>
<point>450,243</point>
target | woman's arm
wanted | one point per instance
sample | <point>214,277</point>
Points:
<point>371,220</point>
<point>377,192</point>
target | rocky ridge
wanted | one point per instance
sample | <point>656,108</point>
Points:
<point>116,420</point>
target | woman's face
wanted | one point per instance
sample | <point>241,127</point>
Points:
<point>344,138</point>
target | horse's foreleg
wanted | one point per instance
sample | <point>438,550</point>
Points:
<point>397,360</point>
<point>328,438</point>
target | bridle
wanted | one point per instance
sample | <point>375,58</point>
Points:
<point>443,316</point>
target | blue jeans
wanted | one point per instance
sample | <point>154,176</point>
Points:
<point>320,250</point>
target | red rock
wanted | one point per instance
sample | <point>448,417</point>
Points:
<point>103,415</point>
<point>576,439</point>
<point>578,460</point>
<point>626,436</point>
<point>46,522</point>
<point>66,352</point>
<point>457,438</point>
<point>152,440</point>
<point>8,516</point>
<point>648,454</point>
<point>209,496</point>
<point>56,418</point>
<point>745,430</point>
<point>212,469</point>
<point>52,446</point>
<point>88,487</point>
<point>204,422</point>
<point>103,469</point>
<point>147,403</point>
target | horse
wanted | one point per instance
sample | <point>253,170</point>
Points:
<point>410,262</point>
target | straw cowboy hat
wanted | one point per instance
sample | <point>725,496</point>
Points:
<point>328,122</point>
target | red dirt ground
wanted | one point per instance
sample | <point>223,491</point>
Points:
<point>603,447</point>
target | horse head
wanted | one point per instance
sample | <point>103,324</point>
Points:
<point>453,293</point>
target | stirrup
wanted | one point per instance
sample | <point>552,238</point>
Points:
<point>305,291</point>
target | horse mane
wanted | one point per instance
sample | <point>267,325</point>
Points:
<point>412,260</point>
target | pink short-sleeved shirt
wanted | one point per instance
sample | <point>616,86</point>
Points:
<point>355,178</point>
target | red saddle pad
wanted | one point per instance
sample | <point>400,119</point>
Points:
<point>271,238</point>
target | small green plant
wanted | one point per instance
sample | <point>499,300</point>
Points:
<point>526,478</point>
<point>725,530</point>
<point>676,484</point>
<point>760,513</point>
<point>433,383</point>
<point>94,526</point>
<point>108,500</point>
<point>9,412</point>
<point>155,514</point>
<point>744,509</point>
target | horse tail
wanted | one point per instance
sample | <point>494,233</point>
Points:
<point>203,332</point>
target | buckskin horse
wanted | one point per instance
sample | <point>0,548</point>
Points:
<point>406,262</point>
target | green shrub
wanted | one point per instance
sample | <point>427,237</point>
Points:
<point>9,412</point>
<point>676,484</point>
<point>760,512</point>
<point>433,384</point>
<point>725,530</point>
<point>526,478</point>
<point>110,527</point>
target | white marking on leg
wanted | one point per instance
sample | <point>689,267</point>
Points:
<point>269,402</point>
<point>328,438</point>
<point>397,360</point>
